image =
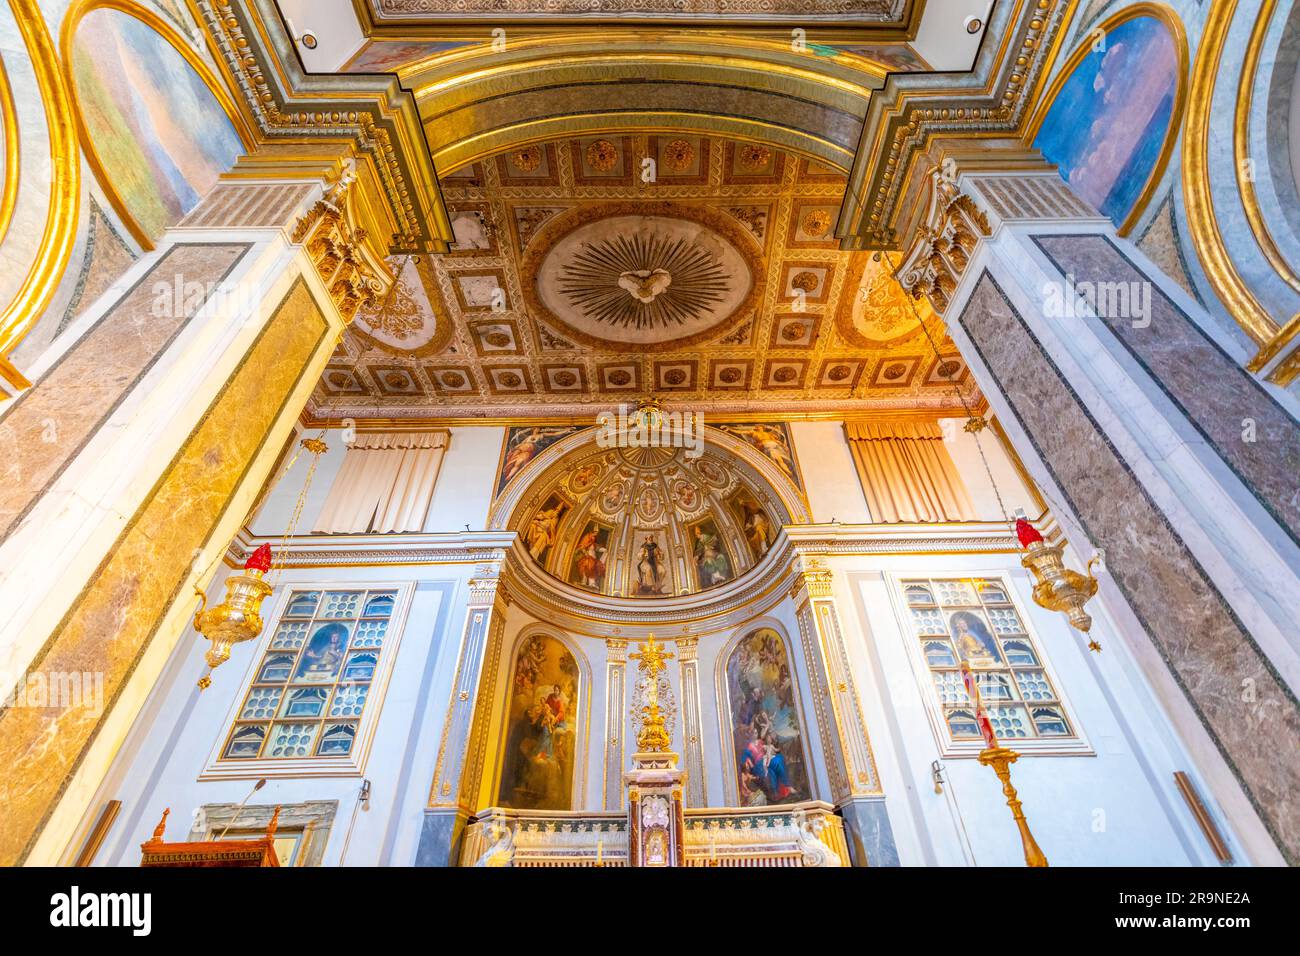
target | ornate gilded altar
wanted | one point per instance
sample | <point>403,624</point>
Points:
<point>797,835</point>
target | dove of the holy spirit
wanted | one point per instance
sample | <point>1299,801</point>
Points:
<point>645,285</point>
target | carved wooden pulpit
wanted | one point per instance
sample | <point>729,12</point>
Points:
<point>239,853</point>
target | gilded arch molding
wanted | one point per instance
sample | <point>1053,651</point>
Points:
<point>55,249</point>
<point>482,101</point>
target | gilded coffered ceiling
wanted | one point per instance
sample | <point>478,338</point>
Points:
<point>594,270</point>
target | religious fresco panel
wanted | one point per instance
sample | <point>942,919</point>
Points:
<point>538,762</point>
<point>766,734</point>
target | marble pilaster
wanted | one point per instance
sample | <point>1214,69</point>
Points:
<point>692,731</point>
<point>851,765</point>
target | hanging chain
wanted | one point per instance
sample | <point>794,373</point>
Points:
<point>317,447</point>
<point>974,423</point>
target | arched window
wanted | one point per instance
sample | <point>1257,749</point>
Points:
<point>537,766</point>
<point>766,732</point>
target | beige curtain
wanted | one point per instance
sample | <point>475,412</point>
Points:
<point>385,484</point>
<point>907,474</point>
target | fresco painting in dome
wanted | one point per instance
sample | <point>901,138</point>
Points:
<point>652,570</point>
<point>544,528</point>
<point>712,563</point>
<point>755,523</point>
<point>646,523</point>
<point>773,440</point>
<point>589,566</point>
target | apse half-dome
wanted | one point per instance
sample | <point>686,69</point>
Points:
<point>649,522</point>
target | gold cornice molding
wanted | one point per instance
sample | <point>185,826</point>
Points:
<point>76,12</point>
<point>1166,15</point>
<point>374,113</point>
<point>792,414</point>
<point>907,117</point>
<point>1232,290</point>
<point>473,27</point>
<point>51,259</point>
<point>480,146</point>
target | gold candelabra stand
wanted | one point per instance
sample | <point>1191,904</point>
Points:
<point>1000,759</point>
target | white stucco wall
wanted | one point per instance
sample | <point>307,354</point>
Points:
<point>1114,806</point>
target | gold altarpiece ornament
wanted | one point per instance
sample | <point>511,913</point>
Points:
<point>656,828</point>
<point>238,618</point>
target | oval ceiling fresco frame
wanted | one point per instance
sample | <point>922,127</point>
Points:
<point>555,232</point>
<point>153,21</point>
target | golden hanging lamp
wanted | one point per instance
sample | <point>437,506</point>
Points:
<point>1056,587</point>
<point>239,617</point>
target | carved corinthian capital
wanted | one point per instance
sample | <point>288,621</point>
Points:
<point>944,243</point>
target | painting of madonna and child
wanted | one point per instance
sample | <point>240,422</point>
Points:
<point>766,736</point>
<point>537,767</point>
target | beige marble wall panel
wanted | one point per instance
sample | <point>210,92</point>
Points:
<point>115,617</point>
<point>47,426</point>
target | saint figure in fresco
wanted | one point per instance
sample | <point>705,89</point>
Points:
<point>757,526</point>
<point>650,567</point>
<point>590,563</point>
<point>542,531</point>
<point>710,559</point>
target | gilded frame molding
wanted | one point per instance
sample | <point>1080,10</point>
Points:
<point>1198,198</point>
<point>67,37</point>
<point>55,249</point>
<point>1166,15</point>
<point>12,160</point>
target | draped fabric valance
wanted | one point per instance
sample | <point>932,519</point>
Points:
<point>385,484</point>
<point>907,473</point>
